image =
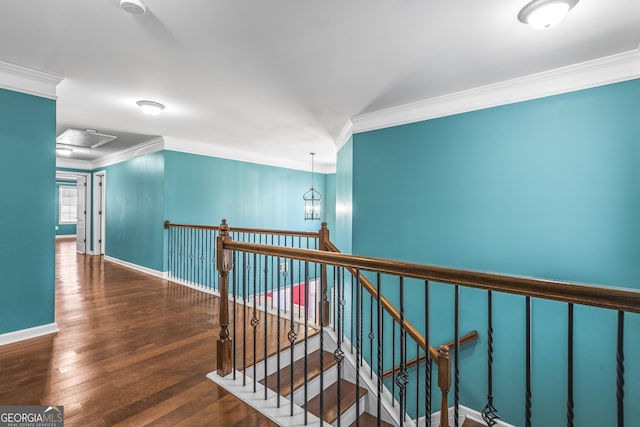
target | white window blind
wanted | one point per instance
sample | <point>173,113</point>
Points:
<point>68,205</point>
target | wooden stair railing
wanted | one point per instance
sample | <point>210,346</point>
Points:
<point>440,356</point>
<point>621,300</point>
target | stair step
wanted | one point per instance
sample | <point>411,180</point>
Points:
<point>313,371</point>
<point>367,419</point>
<point>468,422</point>
<point>348,394</point>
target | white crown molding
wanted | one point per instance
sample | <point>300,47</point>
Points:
<point>147,147</point>
<point>344,135</point>
<point>26,334</point>
<point>223,152</point>
<point>607,70</point>
<point>73,164</point>
<point>21,79</point>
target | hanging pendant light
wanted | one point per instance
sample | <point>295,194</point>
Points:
<point>312,199</point>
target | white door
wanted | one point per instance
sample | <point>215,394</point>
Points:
<point>98,218</point>
<point>81,229</point>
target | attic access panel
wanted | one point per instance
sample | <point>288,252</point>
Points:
<point>84,138</point>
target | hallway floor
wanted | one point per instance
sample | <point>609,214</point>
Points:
<point>132,350</point>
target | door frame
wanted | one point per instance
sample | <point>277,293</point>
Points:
<point>96,213</point>
<point>68,175</point>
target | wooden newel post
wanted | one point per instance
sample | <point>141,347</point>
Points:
<point>444,383</point>
<point>224,263</point>
<point>323,304</point>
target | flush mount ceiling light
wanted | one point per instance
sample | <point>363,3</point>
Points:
<point>134,7</point>
<point>150,107</point>
<point>543,14</point>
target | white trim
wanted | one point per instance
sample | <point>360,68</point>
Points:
<point>27,334</point>
<point>345,134</point>
<point>464,413</point>
<point>267,407</point>
<point>21,79</point>
<point>611,69</point>
<point>73,164</point>
<point>147,270</point>
<point>151,146</point>
<point>63,236</point>
<point>95,215</point>
<point>226,152</point>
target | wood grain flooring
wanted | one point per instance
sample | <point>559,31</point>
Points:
<point>132,350</point>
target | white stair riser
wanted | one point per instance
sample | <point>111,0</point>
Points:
<point>313,386</point>
<point>285,358</point>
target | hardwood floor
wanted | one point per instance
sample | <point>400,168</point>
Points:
<point>132,350</point>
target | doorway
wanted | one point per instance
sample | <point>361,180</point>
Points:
<point>99,223</point>
<point>83,197</point>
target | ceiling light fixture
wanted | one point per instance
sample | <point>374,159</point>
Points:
<point>543,14</point>
<point>64,151</point>
<point>134,7</point>
<point>150,107</point>
<point>312,199</point>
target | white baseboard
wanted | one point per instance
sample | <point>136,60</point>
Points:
<point>137,267</point>
<point>464,413</point>
<point>65,236</point>
<point>25,334</point>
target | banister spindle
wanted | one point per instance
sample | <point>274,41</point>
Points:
<point>380,355</point>
<point>620,370</point>
<point>456,356</point>
<point>401,377</point>
<point>358,343</point>
<point>489,412</point>
<point>570,365</point>
<point>528,349</point>
<point>427,391</point>
<point>225,264</point>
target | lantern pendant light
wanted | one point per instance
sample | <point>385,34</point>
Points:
<point>312,199</point>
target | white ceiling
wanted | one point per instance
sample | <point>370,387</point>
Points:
<point>278,79</point>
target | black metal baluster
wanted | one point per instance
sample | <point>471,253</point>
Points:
<point>254,319</point>
<point>321,352</point>
<point>191,259</point>
<point>393,363</point>
<point>245,298</point>
<point>306,346</point>
<point>371,336</point>
<point>428,365</point>
<point>266,355</point>
<point>380,361</point>
<point>620,370</point>
<point>292,338</point>
<point>527,408</point>
<point>570,365</point>
<point>352,320</point>
<point>278,326</point>
<point>401,377</point>
<point>489,412</point>
<point>417,382</point>
<point>456,355</point>
<point>338,354</point>
<point>235,310</point>
<point>358,344</point>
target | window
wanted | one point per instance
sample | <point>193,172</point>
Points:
<point>68,205</point>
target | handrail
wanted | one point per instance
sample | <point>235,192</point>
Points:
<point>613,298</point>
<point>389,308</point>
<point>471,336</point>
<point>314,234</point>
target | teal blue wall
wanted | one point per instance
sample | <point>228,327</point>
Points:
<point>546,188</point>
<point>204,190</point>
<point>135,211</point>
<point>63,229</point>
<point>330,201</point>
<point>344,198</point>
<point>27,143</point>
